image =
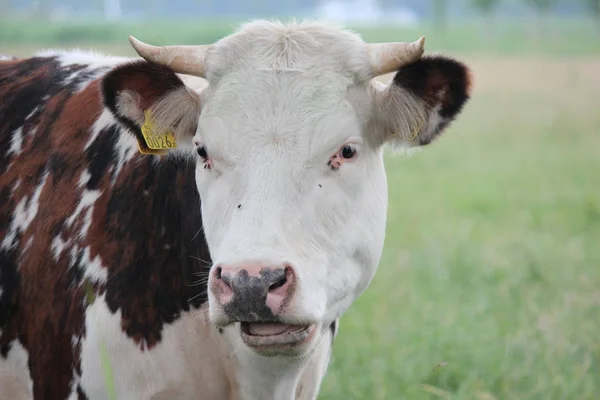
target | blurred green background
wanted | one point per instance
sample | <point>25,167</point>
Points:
<point>489,285</point>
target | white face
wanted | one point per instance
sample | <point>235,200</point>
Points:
<point>290,163</point>
<point>292,179</point>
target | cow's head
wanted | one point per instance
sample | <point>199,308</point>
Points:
<point>288,139</point>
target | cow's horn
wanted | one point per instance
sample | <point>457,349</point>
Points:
<point>189,60</point>
<point>389,57</point>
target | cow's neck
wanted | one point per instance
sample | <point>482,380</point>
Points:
<point>266,378</point>
<point>274,378</point>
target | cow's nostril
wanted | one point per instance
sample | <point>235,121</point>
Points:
<point>278,284</point>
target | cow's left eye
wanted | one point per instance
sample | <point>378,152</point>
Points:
<point>348,152</point>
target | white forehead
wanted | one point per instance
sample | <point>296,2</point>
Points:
<point>295,114</point>
<point>302,46</point>
<point>284,83</point>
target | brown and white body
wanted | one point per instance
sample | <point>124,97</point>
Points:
<point>219,268</point>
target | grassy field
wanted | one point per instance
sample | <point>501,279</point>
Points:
<point>548,37</point>
<point>489,286</point>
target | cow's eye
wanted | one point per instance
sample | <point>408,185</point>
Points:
<point>345,154</point>
<point>202,152</point>
<point>348,152</point>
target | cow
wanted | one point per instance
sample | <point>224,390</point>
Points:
<point>192,223</point>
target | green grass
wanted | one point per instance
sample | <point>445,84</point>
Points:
<point>558,37</point>
<point>489,286</point>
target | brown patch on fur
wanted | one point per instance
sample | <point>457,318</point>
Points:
<point>144,228</point>
<point>48,310</point>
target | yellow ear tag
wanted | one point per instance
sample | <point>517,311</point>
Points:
<point>417,130</point>
<point>156,143</point>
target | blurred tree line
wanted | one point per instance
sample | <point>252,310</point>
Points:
<point>436,10</point>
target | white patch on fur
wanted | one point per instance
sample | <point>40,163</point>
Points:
<point>127,106</point>
<point>91,75</point>
<point>95,63</point>
<point>93,268</point>
<point>126,148</point>
<point>35,110</point>
<point>434,120</point>
<point>15,379</point>
<point>84,178</point>
<point>16,186</point>
<point>176,365</point>
<point>73,394</point>
<point>76,379</point>
<point>75,341</point>
<point>79,56</point>
<point>24,213</point>
<point>58,246</point>
<point>28,244</point>
<point>73,255</point>
<point>104,121</point>
<point>16,141</point>
<point>73,76</point>
<point>88,198</point>
<point>87,221</point>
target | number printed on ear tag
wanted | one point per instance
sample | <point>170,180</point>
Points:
<point>153,140</point>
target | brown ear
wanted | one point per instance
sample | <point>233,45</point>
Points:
<point>131,89</point>
<point>423,99</point>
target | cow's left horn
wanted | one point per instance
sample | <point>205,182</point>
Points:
<point>389,57</point>
<point>188,60</point>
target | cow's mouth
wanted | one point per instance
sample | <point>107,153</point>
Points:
<point>273,335</point>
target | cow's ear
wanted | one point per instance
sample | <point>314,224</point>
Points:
<point>422,100</point>
<point>150,99</point>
